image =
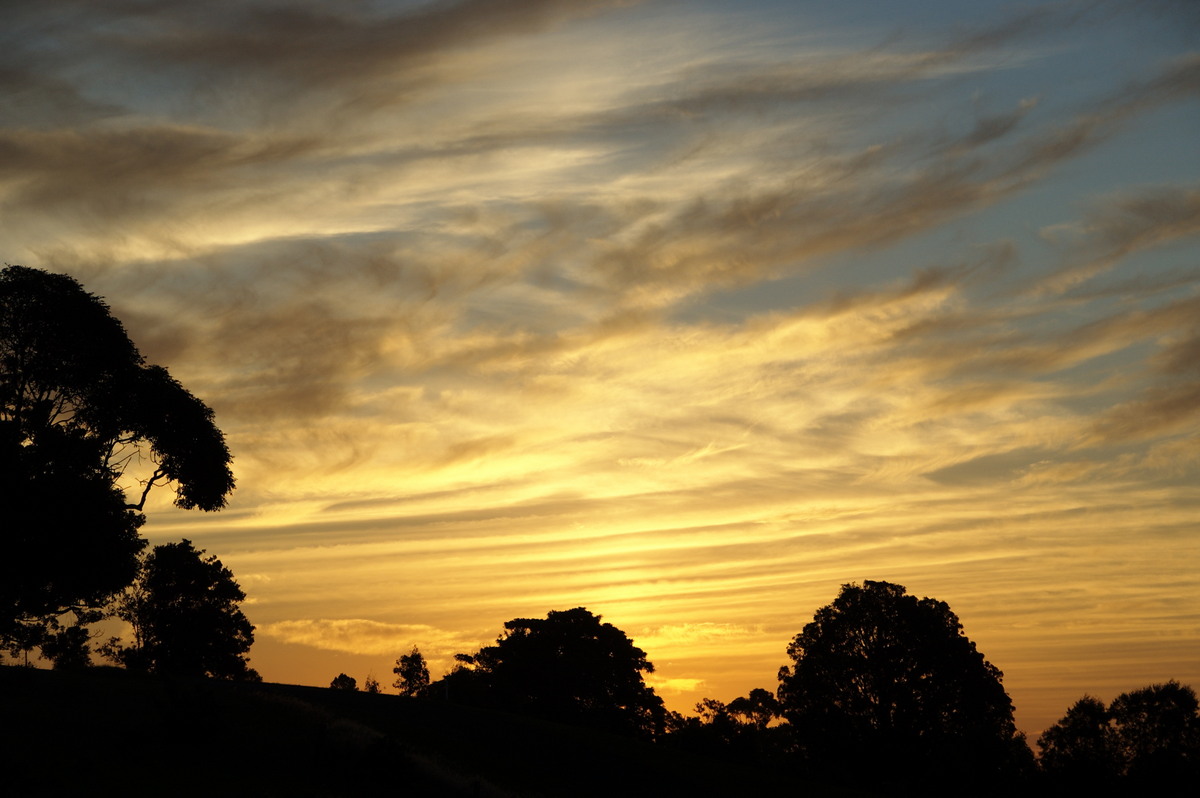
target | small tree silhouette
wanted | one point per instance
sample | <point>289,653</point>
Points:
<point>343,682</point>
<point>186,617</point>
<point>412,674</point>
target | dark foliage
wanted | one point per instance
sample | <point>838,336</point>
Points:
<point>886,689</point>
<point>758,708</point>
<point>412,674</point>
<point>736,733</point>
<point>568,667</point>
<point>1147,740</point>
<point>185,617</point>
<point>1158,729</point>
<point>77,405</point>
<point>344,682</point>
<point>1082,748</point>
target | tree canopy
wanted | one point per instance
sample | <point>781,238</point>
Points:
<point>568,667</point>
<point>186,618</point>
<point>1149,737</point>
<point>1082,747</point>
<point>884,679</point>
<point>80,410</point>
<point>344,682</point>
<point>1158,729</point>
<point>412,674</point>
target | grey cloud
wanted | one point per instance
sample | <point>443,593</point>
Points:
<point>1136,220</point>
<point>310,46</point>
<point>33,100</point>
<point>1147,218</point>
<point>1159,410</point>
<point>988,469</point>
<point>123,175</point>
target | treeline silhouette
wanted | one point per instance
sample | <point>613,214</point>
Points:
<point>884,693</point>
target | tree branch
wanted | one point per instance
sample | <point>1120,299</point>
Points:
<point>149,484</point>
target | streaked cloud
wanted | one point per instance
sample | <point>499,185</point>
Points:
<point>685,313</point>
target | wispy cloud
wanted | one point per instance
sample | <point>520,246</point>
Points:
<point>516,306</point>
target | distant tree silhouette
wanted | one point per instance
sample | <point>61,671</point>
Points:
<point>412,674</point>
<point>186,618</point>
<point>758,709</point>
<point>568,667</point>
<point>371,685</point>
<point>887,684</point>
<point>1148,738</point>
<point>712,712</point>
<point>1082,748</point>
<point>734,732</point>
<point>78,404</point>
<point>1158,729</point>
<point>343,682</point>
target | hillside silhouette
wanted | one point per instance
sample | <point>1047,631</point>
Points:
<point>106,731</point>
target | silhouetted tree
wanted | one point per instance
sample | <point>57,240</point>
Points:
<point>412,674</point>
<point>1082,748</point>
<point>1158,730</point>
<point>717,728</point>
<point>68,647</point>
<point>712,712</point>
<point>734,732</point>
<point>371,685</point>
<point>343,682</point>
<point>1149,739</point>
<point>759,708</point>
<point>567,667</point>
<point>78,404</point>
<point>886,685</point>
<point>184,609</point>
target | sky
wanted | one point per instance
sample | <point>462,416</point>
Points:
<point>684,312</point>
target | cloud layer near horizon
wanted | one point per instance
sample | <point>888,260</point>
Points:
<point>684,313</point>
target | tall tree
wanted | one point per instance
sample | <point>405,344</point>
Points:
<point>568,667</point>
<point>885,683</point>
<point>412,674</point>
<point>78,406</point>
<point>185,617</point>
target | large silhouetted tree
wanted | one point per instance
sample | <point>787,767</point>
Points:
<point>568,667</point>
<point>886,685</point>
<point>186,619</point>
<point>80,412</point>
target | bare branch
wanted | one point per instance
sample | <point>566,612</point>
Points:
<point>150,483</point>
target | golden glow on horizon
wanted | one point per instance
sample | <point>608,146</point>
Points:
<point>684,313</point>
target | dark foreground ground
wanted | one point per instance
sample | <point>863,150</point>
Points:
<point>108,732</point>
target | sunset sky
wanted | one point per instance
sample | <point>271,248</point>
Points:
<point>684,312</point>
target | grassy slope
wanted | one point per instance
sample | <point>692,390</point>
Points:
<point>108,732</point>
